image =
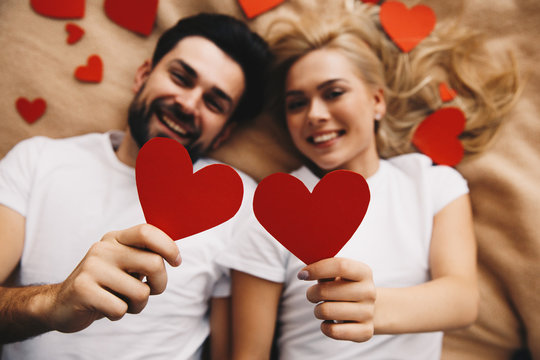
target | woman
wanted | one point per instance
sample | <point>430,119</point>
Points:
<point>409,272</point>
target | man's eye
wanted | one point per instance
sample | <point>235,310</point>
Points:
<point>214,105</point>
<point>180,79</point>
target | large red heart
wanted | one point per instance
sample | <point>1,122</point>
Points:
<point>178,201</point>
<point>61,9</point>
<point>406,27</point>
<point>75,32</point>
<point>92,71</point>
<point>437,136</point>
<point>313,226</point>
<point>30,110</point>
<point>253,8</point>
<point>135,15</point>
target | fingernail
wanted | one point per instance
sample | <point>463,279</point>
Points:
<point>178,260</point>
<point>303,275</point>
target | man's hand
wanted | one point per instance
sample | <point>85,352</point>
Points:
<point>116,276</point>
<point>345,297</point>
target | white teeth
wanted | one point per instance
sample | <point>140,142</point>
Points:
<point>325,137</point>
<point>173,125</point>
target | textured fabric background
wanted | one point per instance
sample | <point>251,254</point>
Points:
<point>36,61</point>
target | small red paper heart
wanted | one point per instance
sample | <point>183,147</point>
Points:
<point>371,1</point>
<point>135,15</point>
<point>446,93</point>
<point>92,72</point>
<point>75,32</point>
<point>312,226</point>
<point>60,9</point>
<point>437,136</point>
<point>406,27</point>
<point>178,201</point>
<point>30,110</point>
<point>253,8</point>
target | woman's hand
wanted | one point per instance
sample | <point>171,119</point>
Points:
<point>345,297</point>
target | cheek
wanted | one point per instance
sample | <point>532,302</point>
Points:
<point>295,130</point>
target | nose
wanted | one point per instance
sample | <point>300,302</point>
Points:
<point>317,112</point>
<point>190,100</point>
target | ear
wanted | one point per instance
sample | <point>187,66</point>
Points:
<point>141,75</point>
<point>223,135</point>
<point>379,102</point>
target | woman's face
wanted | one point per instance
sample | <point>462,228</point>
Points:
<point>330,112</point>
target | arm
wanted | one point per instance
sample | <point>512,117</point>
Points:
<point>448,301</point>
<point>220,329</point>
<point>100,286</point>
<point>254,311</point>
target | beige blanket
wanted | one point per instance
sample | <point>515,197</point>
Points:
<point>37,62</point>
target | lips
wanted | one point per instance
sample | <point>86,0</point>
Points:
<point>177,124</point>
<point>325,137</point>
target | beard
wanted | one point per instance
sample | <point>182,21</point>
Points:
<point>140,115</point>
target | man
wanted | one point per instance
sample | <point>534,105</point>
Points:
<point>58,197</point>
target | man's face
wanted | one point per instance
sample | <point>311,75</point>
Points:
<point>188,96</point>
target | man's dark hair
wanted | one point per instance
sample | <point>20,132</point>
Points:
<point>235,39</point>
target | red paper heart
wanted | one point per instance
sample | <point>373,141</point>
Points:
<point>253,8</point>
<point>135,15</point>
<point>446,93</point>
<point>61,9</point>
<point>92,72</point>
<point>177,201</point>
<point>313,226</point>
<point>75,32</point>
<point>437,136</point>
<point>371,1</point>
<point>406,27</point>
<point>30,110</point>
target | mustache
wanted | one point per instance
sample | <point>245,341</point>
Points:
<point>161,107</point>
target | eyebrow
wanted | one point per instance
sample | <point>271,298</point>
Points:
<point>191,72</point>
<point>319,87</point>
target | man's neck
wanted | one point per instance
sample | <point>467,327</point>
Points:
<point>128,150</point>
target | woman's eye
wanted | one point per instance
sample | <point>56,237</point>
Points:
<point>295,105</point>
<point>334,93</point>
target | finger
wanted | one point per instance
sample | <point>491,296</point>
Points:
<point>132,291</point>
<point>94,297</point>
<point>336,267</point>
<point>342,290</point>
<point>149,237</point>
<point>143,263</point>
<point>358,332</point>
<point>345,311</point>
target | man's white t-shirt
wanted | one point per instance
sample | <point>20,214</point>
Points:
<point>393,239</point>
<point>71,192</point>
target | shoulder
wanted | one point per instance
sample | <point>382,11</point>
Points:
<point>43,142</point>
<point>421,167</point>
<point>439,183</point>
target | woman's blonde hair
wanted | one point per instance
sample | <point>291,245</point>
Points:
<point>451,54</point>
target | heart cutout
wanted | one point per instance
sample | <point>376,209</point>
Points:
<point>437,136</point>
<point>75,33</point>
<point>447,94</point>
<point>253,8</point>
<point>178,201</point>
<point>406,27</point>
<point>30,110</point>
<point>60,9</point>
<point>313,226</point>
<point>92,71</point>
<point>135,15</point>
